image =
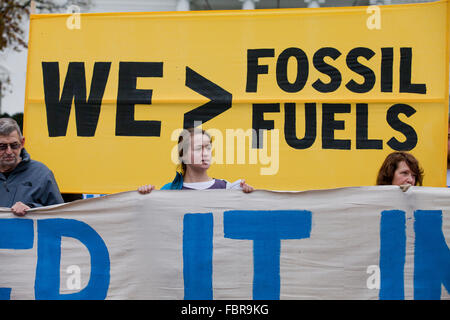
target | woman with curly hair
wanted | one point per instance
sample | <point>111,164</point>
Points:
<point>400,168</point>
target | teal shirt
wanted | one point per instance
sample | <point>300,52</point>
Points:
<point>176,184</point>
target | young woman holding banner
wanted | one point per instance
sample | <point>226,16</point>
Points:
<point>400,168</point>
<point>194,153</point>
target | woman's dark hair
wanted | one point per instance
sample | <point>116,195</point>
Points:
<point>390,164</point>
<point>184,141</point>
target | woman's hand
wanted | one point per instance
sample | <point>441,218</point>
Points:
<point>146,189</point>
<point>246,188</point>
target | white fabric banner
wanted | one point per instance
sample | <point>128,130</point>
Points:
<point>348,243</point>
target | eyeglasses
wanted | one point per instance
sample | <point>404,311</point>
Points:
<point>13,146</point>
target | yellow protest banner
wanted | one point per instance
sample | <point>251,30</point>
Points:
<point>294,98</point>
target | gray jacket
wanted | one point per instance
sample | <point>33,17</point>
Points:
<point>31,182</point>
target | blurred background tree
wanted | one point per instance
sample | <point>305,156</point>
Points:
<point>13,17</point>
<point>13,14</point>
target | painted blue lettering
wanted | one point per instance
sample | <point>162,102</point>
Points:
<point>15,234</point>
<point>392,254</point>
<point>47,280</point>
<point>197,256</point>
<point>267,229</point>
<point>431,256</point>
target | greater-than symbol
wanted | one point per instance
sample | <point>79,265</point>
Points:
<point>221,100</point>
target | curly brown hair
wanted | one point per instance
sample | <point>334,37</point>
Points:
<point>390,164</point>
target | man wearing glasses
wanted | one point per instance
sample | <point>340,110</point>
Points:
<point>24,183</point>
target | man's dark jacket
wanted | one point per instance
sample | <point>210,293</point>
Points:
<point>31,182</point>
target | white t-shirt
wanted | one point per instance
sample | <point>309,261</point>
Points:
<point>448,177</point>
<point>205,185</point>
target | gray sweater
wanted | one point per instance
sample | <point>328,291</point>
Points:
<point>31,182</point>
